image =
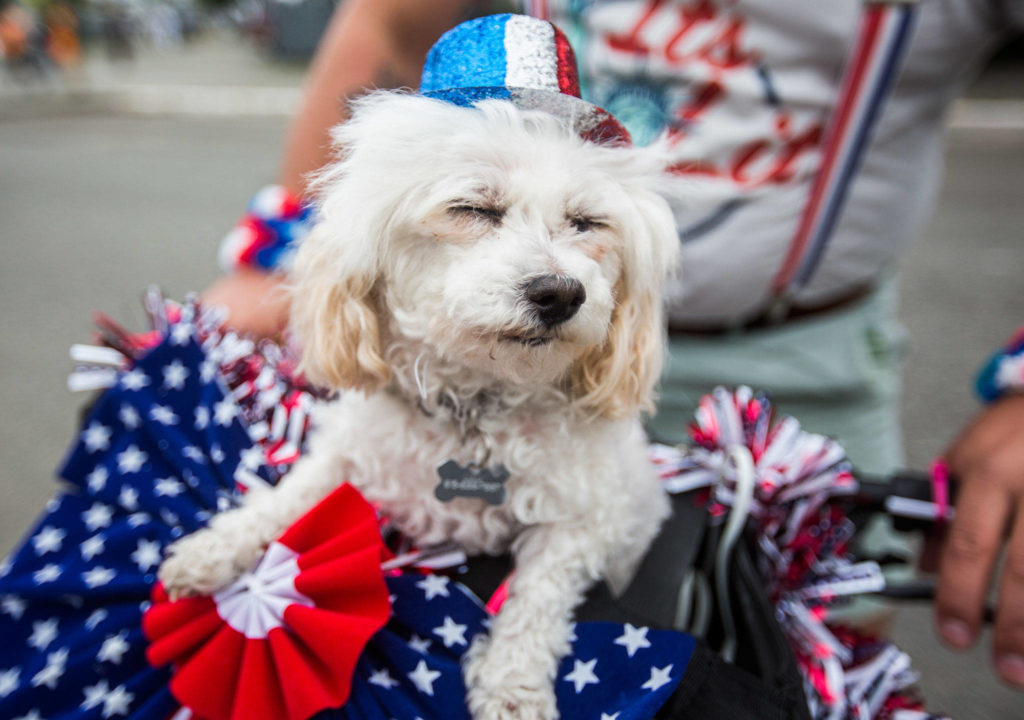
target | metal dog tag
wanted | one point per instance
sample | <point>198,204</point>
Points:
<point>459,480</point>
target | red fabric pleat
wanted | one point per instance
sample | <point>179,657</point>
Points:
<point>359,571</point>
<point>311,684</point>
<point>258,694</point>
<point>206,682</point>
<point>337,513</point>
<point>363,534</point>
<point>182,641</point>
<point>329,635</point>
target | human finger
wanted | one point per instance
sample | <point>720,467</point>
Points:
<point>1008,638</point>
<point>968,557</point>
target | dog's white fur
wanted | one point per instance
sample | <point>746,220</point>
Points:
<point>410,289</point>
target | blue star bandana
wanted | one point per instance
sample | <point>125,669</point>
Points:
<point>174,440</point>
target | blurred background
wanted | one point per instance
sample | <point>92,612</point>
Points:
<point>133,132</point>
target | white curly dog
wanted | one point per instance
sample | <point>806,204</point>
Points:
<point>485,286</point>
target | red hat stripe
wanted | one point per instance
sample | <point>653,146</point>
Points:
<point>568,79</point>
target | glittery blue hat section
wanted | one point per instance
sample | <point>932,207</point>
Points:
<point>517,58</point>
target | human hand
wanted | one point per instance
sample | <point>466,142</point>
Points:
<point>257,302</point>
<point>988,459</point>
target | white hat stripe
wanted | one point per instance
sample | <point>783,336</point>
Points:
<point>531,61</point>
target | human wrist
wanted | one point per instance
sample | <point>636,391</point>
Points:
<point>1003,374</point>
<point>266,237</point>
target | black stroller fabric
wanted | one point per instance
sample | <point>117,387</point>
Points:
<point>763,684</point>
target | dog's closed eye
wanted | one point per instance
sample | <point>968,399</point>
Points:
<point>488,213</point>
<point>586,223</point>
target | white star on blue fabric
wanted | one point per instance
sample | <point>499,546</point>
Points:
<point>423,678</point>
<point>44,632</point>
<point>128,498</point>
<point>582,674</point>
<point>97,516</point>
<point>91,547</point>
<point>207,370</point>
<point>251,458</point>
<point>451,632</point>
<point>113,648</point>
<point>175,375</point>
<point>97,479</point>
<point>147,554</point>
<point>50,675</point>
<point>10,680</point>
<point>139,518</point>
<point>96,437</point>
<point>95,618</point>
<point>224,412</point>
<point>129,416</point>
<point>434,585</point>
<point>180,334</point>
<point>606,716</point>
<point>48,539</point>
<point>117,702</point>
<point>131,459</point>
<point>383,678</point>
<point>194,454</point>
<point>12,605</point>
<point>94,695</point>
<point>98,576</point>
<point>202,417</point>
<point>48,573</point>
<point>168,487</point>
<point>420,645</point>
<point>134,379</point>
<point>659,677</point>
<point>633,639</point>
<point>163,414</point>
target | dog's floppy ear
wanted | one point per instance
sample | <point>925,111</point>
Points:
<point>618,378</point>
<point>334,313</point>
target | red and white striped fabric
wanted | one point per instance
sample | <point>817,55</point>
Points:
<point>871,70</point>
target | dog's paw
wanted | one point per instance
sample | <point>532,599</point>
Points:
<point>204,562</point>
<point>498,689</point>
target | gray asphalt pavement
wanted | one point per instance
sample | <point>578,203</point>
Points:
<point>95,207</point>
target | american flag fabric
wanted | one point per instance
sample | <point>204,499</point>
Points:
<point>172,442</point>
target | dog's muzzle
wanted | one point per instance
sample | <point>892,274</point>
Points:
<point>554,299</point>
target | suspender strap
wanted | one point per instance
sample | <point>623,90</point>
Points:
<point>871,70</point>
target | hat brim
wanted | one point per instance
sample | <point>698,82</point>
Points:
<point>590,122</point>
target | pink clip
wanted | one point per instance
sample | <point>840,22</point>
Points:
<point>940,488</point>
<point>499,597</point>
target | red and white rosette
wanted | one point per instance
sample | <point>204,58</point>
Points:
<point>281,642</point>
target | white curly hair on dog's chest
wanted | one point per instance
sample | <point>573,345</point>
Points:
<point>554,474</point>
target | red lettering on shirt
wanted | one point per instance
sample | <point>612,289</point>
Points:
<point>631,41</point>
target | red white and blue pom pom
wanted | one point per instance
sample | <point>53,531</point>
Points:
<point>784,482</point>
<point>260,377</point>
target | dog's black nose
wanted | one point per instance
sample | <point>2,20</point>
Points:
<point>555,298</point>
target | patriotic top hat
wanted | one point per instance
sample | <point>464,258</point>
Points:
<point>521,59</point>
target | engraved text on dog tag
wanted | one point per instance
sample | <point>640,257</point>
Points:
<point>459,480</point>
